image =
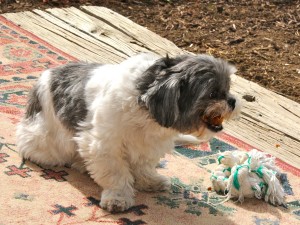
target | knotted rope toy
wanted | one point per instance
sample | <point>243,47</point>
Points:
<point>247,175</point>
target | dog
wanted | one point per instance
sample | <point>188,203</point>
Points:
<point>115,121</point>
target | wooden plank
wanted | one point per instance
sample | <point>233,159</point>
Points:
<point>266,139</point>
<point>99,34</point>
<point>140,34</point>
<point>271,122</point>
<point>66,38</point>
<point>61,38</point>
<point>95,30</point>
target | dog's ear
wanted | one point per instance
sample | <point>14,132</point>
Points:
<point>160,91</point>
<point>162,101</point>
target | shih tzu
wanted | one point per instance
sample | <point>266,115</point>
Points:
<point>117,121</point>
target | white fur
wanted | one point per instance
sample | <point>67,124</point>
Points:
<point>119,144</point>
<point>44,139</point>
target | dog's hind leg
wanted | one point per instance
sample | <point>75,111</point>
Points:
<point>151,182</point>
<point>41,143</point>
<point>41,137</point>
<point>148,179</point>
<point>78,164</point>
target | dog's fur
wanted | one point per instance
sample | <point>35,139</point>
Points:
<point>117,121</point>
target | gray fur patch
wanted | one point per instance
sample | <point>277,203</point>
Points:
<point>67,87</point>
<point>33,105</point>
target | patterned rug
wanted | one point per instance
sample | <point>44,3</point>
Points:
<point>31,194</point>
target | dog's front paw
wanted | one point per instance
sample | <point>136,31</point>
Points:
<point>152,184</point>
<point>115,201</point>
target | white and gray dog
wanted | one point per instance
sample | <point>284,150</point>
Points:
<point>117,121</point>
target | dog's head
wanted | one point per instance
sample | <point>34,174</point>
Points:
<point>188,93</point>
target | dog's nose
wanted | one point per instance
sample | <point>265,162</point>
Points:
<point>231,102</point>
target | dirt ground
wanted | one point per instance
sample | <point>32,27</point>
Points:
<point>261,37</point>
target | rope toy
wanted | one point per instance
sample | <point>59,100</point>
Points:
<point>247,175</point>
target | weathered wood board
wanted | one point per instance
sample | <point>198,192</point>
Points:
<point>271,122</point>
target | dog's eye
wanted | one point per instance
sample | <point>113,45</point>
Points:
<point>213,95</point>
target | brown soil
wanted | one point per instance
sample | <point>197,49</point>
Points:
<point>262,38</point>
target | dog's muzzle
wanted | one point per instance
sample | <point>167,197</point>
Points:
<point>215,123</point>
